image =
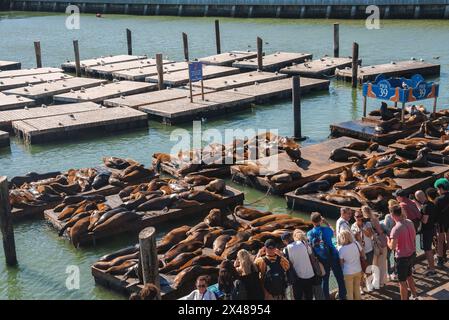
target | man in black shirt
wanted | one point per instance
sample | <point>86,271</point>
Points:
<point>442,207</point>
<point>428,212</point>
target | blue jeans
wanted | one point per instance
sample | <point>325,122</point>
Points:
<point>334,265</point>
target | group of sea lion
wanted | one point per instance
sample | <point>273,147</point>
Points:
<point>391,117</point>
<point>187,252</point>
<point>348,153</point>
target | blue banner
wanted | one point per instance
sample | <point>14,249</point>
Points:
<point>195,71</point>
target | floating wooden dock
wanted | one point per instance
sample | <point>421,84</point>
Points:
<point>4,139</point>
<point>44,92</point>
<point>240,80</point>
<point>231,198</point>
<point>69,66</point>
<point>310,202</point>
<point>319,68</point>
<point>17,82</point>
<point>273,62</point>
<point>398,69</point>
<point>141,73</point>
<point>28,72</point>
<point>179,78</point>
<point>364,130</point>
<point>434,156</point>
<point>106,120</point>
<point>315,163</point>
<point>228,58</point>
<point>9,65</point>
<point>147,98</point>
<point>105,91</point>
<point>106,71</point>
<point>8,117</point>
<point>8,102</point>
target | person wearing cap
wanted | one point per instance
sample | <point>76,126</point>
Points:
<point>272,266</point>
<point>409,208</point>
<point>442,219</point>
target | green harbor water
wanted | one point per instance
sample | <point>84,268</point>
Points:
<point>43,256</point>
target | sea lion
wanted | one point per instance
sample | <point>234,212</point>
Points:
<point>77,199</point>
<point>72,221</point>
<point>121,252</point>
<point>445,151</point>
<point>200,195</point>
<point>123,267</point>
<point>109,214</point>
<point>249,213</point>
<point>157,203</point>
<point>421,159</point>
<point>329,177</point>
<point>346,185</point>
<point>78,230</point>
<point>388,125</point>
<point>159,158</point>
<point>116,220</point>
<point>216,186</point>
<point>249,245</point>
<point>263,236</point>
<point>313,187</point>
<point>180,248</point>
<point>269,218</point>
<point>238,237</point>
<point>188,276</point>
<point>103,265</point>
<point>198,180</point>
<point>218,218</point>
<point>386,160</point>
<point>362,146</point>
<point>220,243</point>
<point>411,173</point>
<point>248,169</point>
<point>343,155</point>
<point>282,224</point>
<point>200,226</point>
<point>340,200</point>
<point>372,192</point>
<point>188,168</point>
<point>179,260</point>
<point>134,203</point>
<point>116,163</point>
<point>173,237</point>
<point>202,260</point>
<point>293,153</point>
<point>183,203</point>
<point>101,180</point>
<point>214,234</point>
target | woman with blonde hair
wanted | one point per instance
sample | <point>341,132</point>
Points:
<point>349,253</point>
<point>247,286</point>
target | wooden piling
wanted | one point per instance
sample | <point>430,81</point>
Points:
<point>148,257</point>
<point>185,43</point>
<point>77,58</point>
<point>336,40</point>
<point>217,36</point>
<point>160,71</point>
<point>259,54</point>
<point>6,226</point>
<point>37,50</point>
<point>296,102</point>
<point>129,41</point>
<point>355,63</point>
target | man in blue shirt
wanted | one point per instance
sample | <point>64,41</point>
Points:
<point>320,238</point>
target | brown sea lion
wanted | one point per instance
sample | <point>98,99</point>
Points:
<point>198,180</point>
<point>445,151</point>
<point>411,173</point>
<point>123,267</point>
<point>250,245</point>
<point>103,265</point>
<point>202,260</point>
<point>78,230</point>
<point>173,237</point>
<point>67,211</point>
<point>182,247</point>
<point>282,224</point>
<point>269,218</point>
<point>330,177</point>
<point>362,146</point>
<point>180,260</point>
<point>188,276</point>
<point>197,236</point>
<point>249,214</point>
<point>248,169</point>
<point>216,186</point>
<point>343,155</point>
<point>313,187</point>
<point>373,192</point>
<point>200,226</point>
<point>346,201</point>
<point>220,243</point>
<point>200,195</point>
<point>238,237</point>
<point>116,220</point>
<point>157,203</point>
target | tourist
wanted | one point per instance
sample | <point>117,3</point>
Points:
<point>287,238</point>
<point>403,240</point>
<point>379,245</point>
<point>409,208</point>
<point>442,207</point>
<point>343,221</point>
<point>320,238</point>
<point>272,266</point>
<point>387,225</point>
<point>201,292</point>
<point>247,286</point>
<point>297,252</point>
<point>149,292</point>
<point>349,253</point>
<point>226,277</point>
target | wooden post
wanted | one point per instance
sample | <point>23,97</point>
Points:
<point>403,112</point>
<point>296,102</point>
<point>37,51</point>
<point>259,54</point>
<point>185,43</point>
<point>336,40</point>
<point>129,41</point>
<point>160,71</point>
<point>6,226</point>
<point>77,58</point>
<point>364,106</point>
<point>148,257</point>
<point>202,89</point>
<point>355,63</point>
<point>217,36</point>
<point>434,106</point>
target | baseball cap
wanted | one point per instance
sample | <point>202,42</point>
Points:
<point>400,193</point>
<point>442,183</point>
<point>270,243</point>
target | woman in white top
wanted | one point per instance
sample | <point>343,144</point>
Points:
<point>201,292</point>
<point>349,253</point>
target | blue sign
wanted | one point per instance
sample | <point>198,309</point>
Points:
<point>195,71</point>
<point>401,89</point>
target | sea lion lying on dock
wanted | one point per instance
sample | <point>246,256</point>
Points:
<point>179,261</point>
<point>121,252</point>
<point>123,267</point>
<point>363,146</point>
<point>173,237</point>
<point>188,276</point>
<point>180,248</point>
<point>118,163</point>
<point>341,200</point>
<point>216,186</point>
<point>421,159</point>
<point>219,244</point>
<point>411,173</point>
<point>104,265</point>
<point>200,195</point>
<point>269,218</point>
<point>78,230</point>
<point>198,180</point>
<point>388,125</point>
<point>313,187</point>
<point>252,246</point>
<point>201,260</point>
<point>218,218</point>
<point>249,214</point>
<point>343,155</point>
<point>116,220</point>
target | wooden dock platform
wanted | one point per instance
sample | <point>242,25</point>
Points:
<point>28,72</point>
<point>4,139</point>
<point>364,130</point>
<point>106,120</point>
<point>8,102</point>
<point>319,68</point>
<point>44,92</point>
<point>17,82</point>
<point>8,117</point>
<point>69,66</point>
<point>231,198</point>
<point>105,91</point>
<point>240,80</point>
<point>315,163</point>
<point>9,65</point>
<point>141,73</point>
<point>398,69</point>
<point>273,62</point>
<point>181,77</point>
<point>434,156</point>
<point>106,71</point>
<point>310,202</point>
<point>228,58</point>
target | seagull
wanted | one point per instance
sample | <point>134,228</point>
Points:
<point>72,116</point>
<point>44,106</point>
<point>26,108</point>
<point>436,58</point>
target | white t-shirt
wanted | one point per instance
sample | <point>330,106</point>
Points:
<point>298,255</point>
<point>351,258</point>
<point>196,295</point>
<point>342,224</point>
<point>368,242</point>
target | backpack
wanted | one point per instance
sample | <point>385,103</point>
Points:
<point>275,278</point>
<point>320,248</point>
<point>239,292</point>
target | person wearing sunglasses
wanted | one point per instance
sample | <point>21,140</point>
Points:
<point>201,292</point>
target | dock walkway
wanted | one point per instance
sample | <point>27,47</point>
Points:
<point>273,62</point>
<point>228,58</point>
<point>319,68</point>
<point>28,72</point>
<point>139,74</point>
<point>8,102</point>
<point>240,80</point>
<point>106,71</point>
<point>17,82</point>
<point>69,66</point>
<point>9,65</point>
